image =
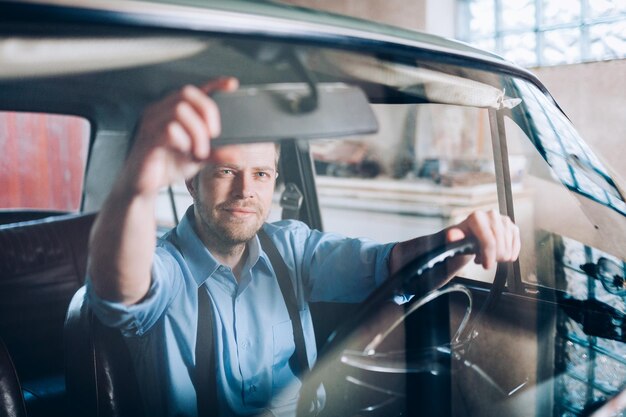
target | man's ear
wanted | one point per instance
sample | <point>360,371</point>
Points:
<point>191,184</point>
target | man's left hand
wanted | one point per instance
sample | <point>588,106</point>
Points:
<point>498,237</point>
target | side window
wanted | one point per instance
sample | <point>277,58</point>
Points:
<point>550,215</point>
<point>429,166</point>
<point>42,163</point>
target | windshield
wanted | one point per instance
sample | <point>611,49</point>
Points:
<point>385,143</point>
<point>450,140</point>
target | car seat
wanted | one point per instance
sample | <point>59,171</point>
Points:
<point>11,400</point>
<point>99,371</point>
<point>42,264</point>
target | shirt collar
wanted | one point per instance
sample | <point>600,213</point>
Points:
<point>198,258</point>
<point>255,254</point>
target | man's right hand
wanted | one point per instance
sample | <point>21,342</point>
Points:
<point>172,142</point>
<point>173,137</point>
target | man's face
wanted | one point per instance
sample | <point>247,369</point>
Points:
<point>233,192</point>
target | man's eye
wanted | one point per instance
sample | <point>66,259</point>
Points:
<point>225,172</point>
<point>263,175</point>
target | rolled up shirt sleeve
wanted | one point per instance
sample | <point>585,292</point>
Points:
<point>137,319</point>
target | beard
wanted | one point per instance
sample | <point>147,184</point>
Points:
<point>219,225</point>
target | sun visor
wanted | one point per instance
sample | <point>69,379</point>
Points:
<point>431,85</point>
<point>24,57</point>
<point>293,111</point>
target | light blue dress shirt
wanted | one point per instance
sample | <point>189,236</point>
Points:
<point>253,332</point>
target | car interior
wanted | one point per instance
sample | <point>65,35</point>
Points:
<point>376,142</point>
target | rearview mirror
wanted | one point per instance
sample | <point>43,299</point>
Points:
<point>275,112</point>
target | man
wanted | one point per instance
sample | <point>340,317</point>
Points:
<point>149,289</point>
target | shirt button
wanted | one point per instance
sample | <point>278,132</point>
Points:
<point>252,388</point>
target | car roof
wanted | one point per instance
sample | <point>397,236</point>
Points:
<point>250,17</point>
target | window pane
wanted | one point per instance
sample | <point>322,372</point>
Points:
<point>562,11</point>
<point>482,18</point>
<point>573,392</point>
<point>518,14</point>
<point>520,49</point>
<point>602,8</point>
<point>561,25</point>
<point>561,46</point>
<point>486,44</point>
<point>42,163</point>
<point>575,165</point>
<point>548,213</point>
<point>608,41</point>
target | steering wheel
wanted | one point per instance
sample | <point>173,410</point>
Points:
<point>423,278</point>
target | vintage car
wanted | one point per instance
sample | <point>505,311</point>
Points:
<point>386,134</point>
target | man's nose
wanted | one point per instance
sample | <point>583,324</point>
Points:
<point>243,186</point>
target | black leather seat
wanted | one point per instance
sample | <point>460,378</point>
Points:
<point>42,264</point>
<point>11,400</point>
<point>100,376</point>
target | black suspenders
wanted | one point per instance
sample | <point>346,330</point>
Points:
<point>205,380</point>
<point>289,295</point>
